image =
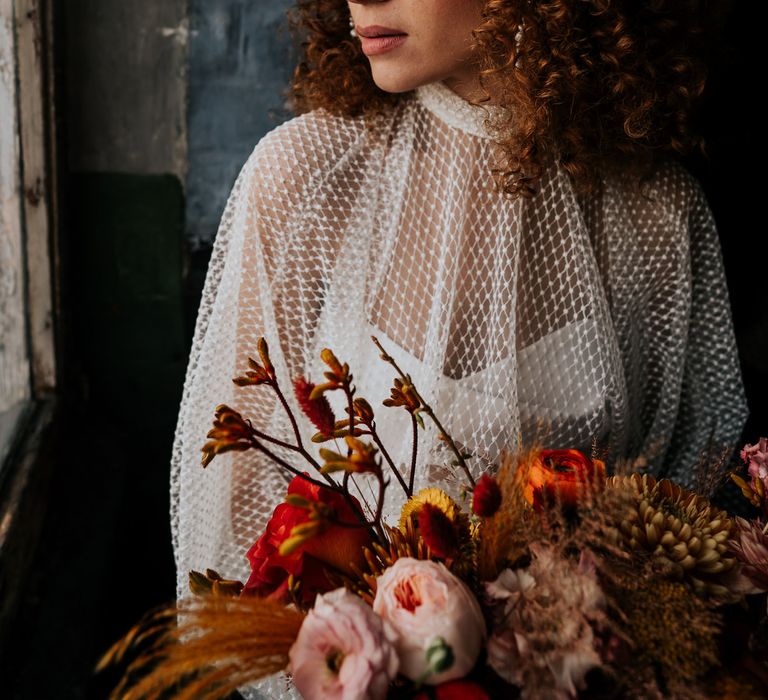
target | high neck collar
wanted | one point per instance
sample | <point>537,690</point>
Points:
<point>453,109</point>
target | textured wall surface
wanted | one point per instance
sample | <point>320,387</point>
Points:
<point>126,107</point>
<point>240,61</point>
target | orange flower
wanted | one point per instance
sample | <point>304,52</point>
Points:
<point>569,473</point>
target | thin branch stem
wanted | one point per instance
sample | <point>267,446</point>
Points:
<point>349,393</point>
<point>426,408</point>
<point>288,410</point>
<point>398,475</point>
<point>282,463</point>
<point>380,506</point>
<point>332,485</point>
<point>412,474</point>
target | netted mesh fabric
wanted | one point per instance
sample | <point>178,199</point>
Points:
<point>575,321</point>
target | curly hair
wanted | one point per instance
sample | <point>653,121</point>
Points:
<point>594,85</point>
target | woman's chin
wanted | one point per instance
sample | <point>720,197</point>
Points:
<point>394,81</point>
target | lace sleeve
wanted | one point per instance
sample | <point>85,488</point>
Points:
<point>712,401</point>
<point>267,276</point>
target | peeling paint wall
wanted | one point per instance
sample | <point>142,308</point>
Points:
<point>240,62</point>
<point>14,365</point>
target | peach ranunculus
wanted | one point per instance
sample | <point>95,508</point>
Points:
<point>343,651</point>
<point>569,473</point>
<point>438,624</point>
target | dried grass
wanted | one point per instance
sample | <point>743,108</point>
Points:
<point>207,646</point>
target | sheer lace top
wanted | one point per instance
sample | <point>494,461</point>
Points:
<point>561,319</point>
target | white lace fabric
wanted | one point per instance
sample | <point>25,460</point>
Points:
<point>563,319</point>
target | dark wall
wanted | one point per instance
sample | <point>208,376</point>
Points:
<point>733,127</point>
<point>240,61</point>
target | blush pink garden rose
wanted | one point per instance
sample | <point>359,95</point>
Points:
<point>342,651</point>
<point>423,602</point>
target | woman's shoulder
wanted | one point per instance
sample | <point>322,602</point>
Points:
<point>303,150</point>
<point>290,164</point>
<point>663,209</point>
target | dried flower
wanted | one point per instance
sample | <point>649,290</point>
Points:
<point>753,491</point>
<point>260,373</point>
<point>438,532</point>
<point>504,537</point>
<point>230,432</point>
<point>362,460</point>
<point>342,651</point>
<point>212,583</point>
<point>363,410</point>
<point>436,497</point>
<point>337,377</point>
<point>319,410</point>
<point>542,637</point>
<point>679,527</point>
<point>460,559</point>
<point>424,603</point>
<point>486,498</point>
<point>203,647</point>
<point>750,545</point>
<point>670,626</point>
<point>403,395</point>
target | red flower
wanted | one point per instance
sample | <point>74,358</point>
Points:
<point>569,473</point>
<point>486,498</point>
<point>455,690</point>
<point>334,548</point>
<point>438,532</point>
<point>318,410</point>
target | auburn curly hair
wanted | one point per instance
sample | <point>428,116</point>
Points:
<point>594,85</point>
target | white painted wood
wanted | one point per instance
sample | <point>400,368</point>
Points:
<point>31,56</point>
<point>14,365</point>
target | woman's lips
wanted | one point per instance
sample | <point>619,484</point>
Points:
<point>373,45</point>
<point>378,39</point>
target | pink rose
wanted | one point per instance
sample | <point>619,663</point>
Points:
<point>342,651</point>
<point>438,625</point>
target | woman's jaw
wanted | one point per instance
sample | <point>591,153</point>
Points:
<point>410,43</point>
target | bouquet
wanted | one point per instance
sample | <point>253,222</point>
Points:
<point>550,579</point>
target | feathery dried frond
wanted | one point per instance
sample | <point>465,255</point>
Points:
<point>204,647</point>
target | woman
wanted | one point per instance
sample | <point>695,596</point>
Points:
<point>490,188</point>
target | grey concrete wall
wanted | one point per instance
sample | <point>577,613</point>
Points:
<point>240,62</point>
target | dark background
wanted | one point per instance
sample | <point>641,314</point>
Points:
<point>159,104</point>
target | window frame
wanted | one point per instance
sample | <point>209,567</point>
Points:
<point>34,226</point>
<point>28,454</point>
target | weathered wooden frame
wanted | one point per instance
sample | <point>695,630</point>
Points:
<point>38,186</point>
<point>26,470</point>
<point>27,188</point>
